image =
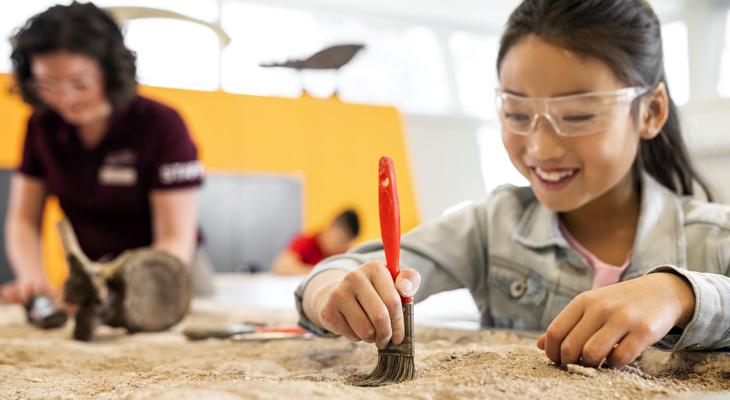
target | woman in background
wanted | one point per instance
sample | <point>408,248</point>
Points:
<point>123,167</point>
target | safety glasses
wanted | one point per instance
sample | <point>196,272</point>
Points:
<point>574,115</point>
<point>47,87</point>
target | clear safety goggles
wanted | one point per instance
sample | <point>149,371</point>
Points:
<point>574,115</point>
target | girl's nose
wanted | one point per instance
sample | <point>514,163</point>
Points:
<point>544,143</point>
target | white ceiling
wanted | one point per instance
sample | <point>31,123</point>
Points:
<point>489,15</point>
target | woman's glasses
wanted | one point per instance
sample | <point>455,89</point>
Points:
<point>74,86</point>
<point>575,115</point>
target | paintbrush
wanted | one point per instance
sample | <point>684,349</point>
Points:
<point>395,362</point>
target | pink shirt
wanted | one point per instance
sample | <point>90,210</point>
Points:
<point>604,274</point>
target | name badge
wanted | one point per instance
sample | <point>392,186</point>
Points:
<point>113,175</point>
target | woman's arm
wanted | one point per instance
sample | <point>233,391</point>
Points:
<point>175,221</point>
<point>23,239</point>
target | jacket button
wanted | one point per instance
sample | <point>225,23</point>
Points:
<point>518,288</point>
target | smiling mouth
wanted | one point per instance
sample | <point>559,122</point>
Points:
<point>554,176</point>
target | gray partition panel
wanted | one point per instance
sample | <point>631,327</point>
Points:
<point>247,220</point>
<point>5,273</point>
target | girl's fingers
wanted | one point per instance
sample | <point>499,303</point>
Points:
<point>541,342</point>
<point>389,299</point>
<point>572,346</point>
<point>561,327</point>
<point>357,319</point>
<point>627,350</point>
<point>367,305</point>
<point>408,282</point>
<point>597,348</point>
<point>341,313</point>
<point>336,323</point>
<point>372,303</point>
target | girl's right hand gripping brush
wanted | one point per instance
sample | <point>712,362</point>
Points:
<point>395,362</point>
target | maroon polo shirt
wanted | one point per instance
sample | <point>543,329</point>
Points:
<point>105,191</point>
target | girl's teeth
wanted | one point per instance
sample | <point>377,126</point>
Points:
<point>553,176</point>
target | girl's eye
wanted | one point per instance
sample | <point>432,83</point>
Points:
<point>517,117</point>
<point>578,117</point>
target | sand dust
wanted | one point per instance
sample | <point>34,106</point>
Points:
<point>451,364</point>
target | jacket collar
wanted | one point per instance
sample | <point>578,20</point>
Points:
<point>659,235</point>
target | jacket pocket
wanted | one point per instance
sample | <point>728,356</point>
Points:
<point>517,297</point>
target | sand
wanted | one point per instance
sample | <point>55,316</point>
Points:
<point>450,364</point>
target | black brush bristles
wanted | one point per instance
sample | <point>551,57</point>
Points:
<point>395,362</point>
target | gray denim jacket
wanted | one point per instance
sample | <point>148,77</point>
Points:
<point>509,252</point>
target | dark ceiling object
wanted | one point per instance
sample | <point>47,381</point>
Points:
<point>332,58</point>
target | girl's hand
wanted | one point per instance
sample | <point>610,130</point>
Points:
<point>618,322</point>
<point>365,305</point>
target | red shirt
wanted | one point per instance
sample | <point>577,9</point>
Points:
<point>307,248</point>
<point>105,191</point>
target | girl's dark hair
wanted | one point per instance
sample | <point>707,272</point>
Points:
<point>626,35</point>
<point>76,28</point>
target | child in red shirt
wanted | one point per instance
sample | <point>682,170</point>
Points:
<point>306,250</point>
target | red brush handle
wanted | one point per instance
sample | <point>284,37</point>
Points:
<point>390,217</point>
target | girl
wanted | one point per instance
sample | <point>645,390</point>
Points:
<point>124,167</point>
<point>607,250</point>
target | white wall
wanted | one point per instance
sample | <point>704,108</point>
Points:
<point>445,160</point>
<point>716,170</point>
<point>706,118</point>
<point>706,127</point>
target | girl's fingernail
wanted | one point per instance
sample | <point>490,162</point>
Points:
<point>406,287</point>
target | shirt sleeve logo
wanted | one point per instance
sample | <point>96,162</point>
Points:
<point>181,172</point>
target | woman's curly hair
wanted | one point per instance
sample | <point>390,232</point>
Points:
<point>80,28</point>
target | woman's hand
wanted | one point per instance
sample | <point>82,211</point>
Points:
<point>618,322</point>
<point>22,289</point>
<point>364,304</point>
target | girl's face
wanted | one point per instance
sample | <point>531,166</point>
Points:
<point>72,85</point>
<point>567,173</point>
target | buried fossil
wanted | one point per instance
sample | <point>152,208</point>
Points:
<point>142,290</point>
